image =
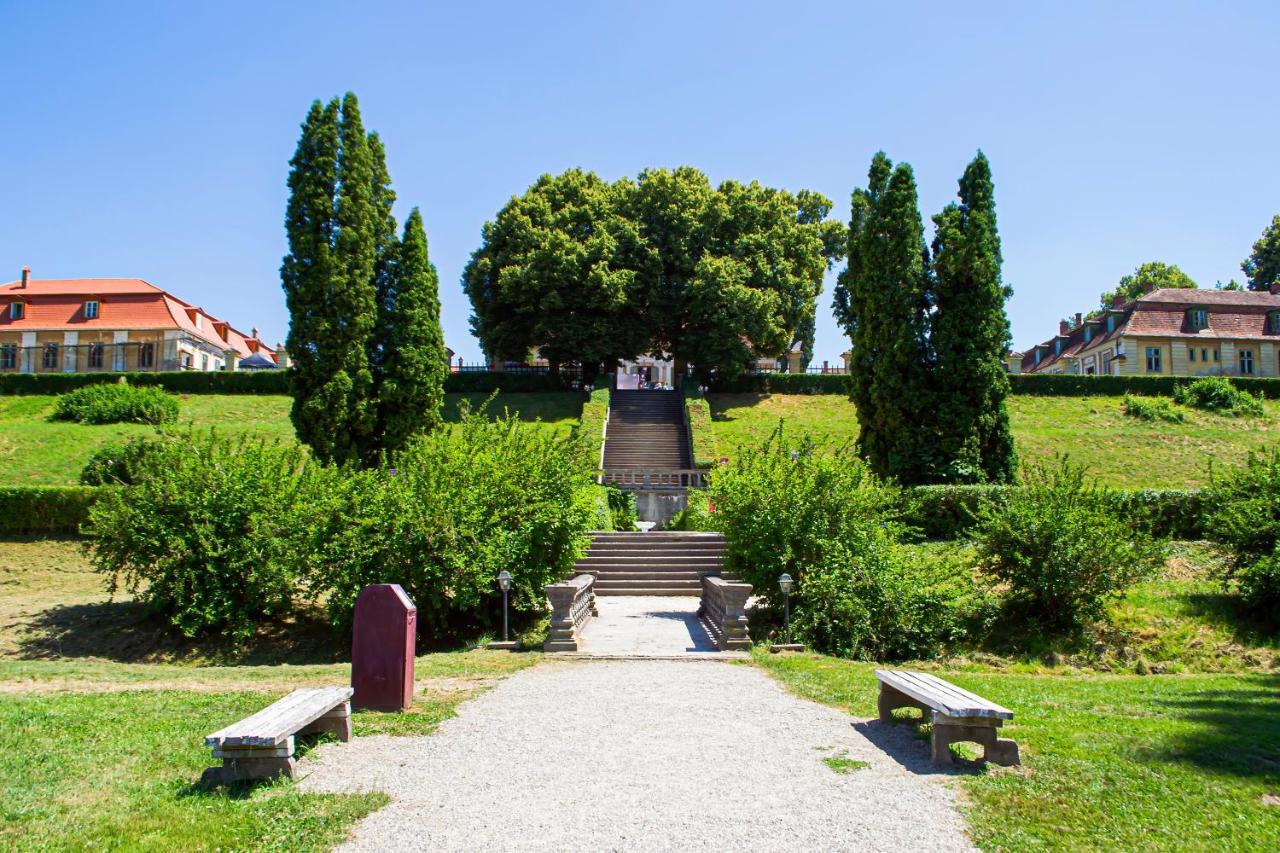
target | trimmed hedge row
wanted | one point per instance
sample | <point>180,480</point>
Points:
<point>1071,385</point>
<point>947,512</point>
<point>698,411</point>
<point>252,382</point>
<point>44,510</point>
<point>1033,384</point>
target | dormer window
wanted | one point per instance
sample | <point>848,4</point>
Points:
<point>1197,319</point>
<point>1111,323</point>
<point>91,309</point>
<point>1057,346</point>
<point>1273,322</point>
<point>17,310</point>
<point>1088,334</point>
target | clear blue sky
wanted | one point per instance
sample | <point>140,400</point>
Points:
<point>152,140</point>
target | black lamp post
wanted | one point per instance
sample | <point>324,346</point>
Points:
<point>504,581</point>
<point>784,583</point>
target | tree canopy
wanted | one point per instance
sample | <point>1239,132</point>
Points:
<point>1152,275</point>
<point>591,272</point>
<point>1262,267</point>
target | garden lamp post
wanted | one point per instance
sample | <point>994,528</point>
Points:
<point>504,581</point>
<point>784,583</point>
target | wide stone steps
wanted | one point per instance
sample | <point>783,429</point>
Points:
<point>660,563</point>
<point>646,431</point>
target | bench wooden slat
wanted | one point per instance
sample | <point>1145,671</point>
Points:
<point>942,696</point>
<point>274,724</point>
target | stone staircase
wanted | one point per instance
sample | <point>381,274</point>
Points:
<point>656,563</point>
<point>646,431</point>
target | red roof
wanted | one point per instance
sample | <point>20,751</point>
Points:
<point>125,304</point>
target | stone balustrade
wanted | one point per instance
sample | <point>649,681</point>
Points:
<point>573,602</point>
<point>723,609</point>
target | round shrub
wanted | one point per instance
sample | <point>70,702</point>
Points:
<point>115,464</point>
<point>115,403</point>
<point>1245,517</point>
<point>1218,394</point>
<point>1064,548</point>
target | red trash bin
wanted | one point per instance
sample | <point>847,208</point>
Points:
<point>383,641</point>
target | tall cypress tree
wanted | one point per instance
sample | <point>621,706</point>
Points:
<point>386,250</point>
<point>883,301</point>
<point>970,336</point>
<point>414,364</point>
<point>328,278</point>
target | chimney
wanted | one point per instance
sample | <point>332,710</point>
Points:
<point>1079,319</point>
<point>254,333</point>
<point>1148,287</point>
<point>1064,327</point>
<point>26,276</point>
<point>1118,301</point>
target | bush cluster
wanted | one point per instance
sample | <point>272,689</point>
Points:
<point>117,403</point>
<point>1063,549</point>
<point>823,518</point>
<point>220,535</point>
<point>781,383</point>
<point>1246,519</point>
<point>1217,394</point>
<point>1152,409</point>
<point>622,509</point>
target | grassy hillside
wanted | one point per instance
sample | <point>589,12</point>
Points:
<point>37,451</point>
<point>1095,432</point>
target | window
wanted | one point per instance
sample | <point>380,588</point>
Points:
<point>147,355</point>
<point>1273,322</point>
<point>1191,353</point>
<point>1197,319</point>
<point>95,354</point>
<point>1246,362</point>
<point>17,310</point>
<point>204,361</point>
<point>1088,334</point>
<point>1215,355</point>
<point>1204,354</point>
<point>186,361</point>
<point>49,358</point>
<point>8,356</point>
<point>91,310</point>
<point>1111,323</point>
<point>1153,359</point>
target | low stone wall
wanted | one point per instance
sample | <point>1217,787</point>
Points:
<point>723,609</point>
<point>573,602</point>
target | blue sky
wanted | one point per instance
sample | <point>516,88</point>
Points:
<point>152,140</point>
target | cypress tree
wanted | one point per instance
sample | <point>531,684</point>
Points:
<point>883,299</point>
<point>414,365</point>
<point>970,336</point>
<point>386,249</point>
<point>328,278</point>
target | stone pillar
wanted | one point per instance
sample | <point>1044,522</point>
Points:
<point>118,341</point>
<point>69,341</point>
<point>572,602</point>
<point>28,352</point>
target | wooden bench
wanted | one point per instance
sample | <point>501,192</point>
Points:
<point>261,746</point>
<point>957,714</point>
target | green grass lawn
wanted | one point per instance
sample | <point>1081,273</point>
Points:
<point>1118,449</point>
<point>37,451</point>
<point>99,750</point>
<point>1110,762</point>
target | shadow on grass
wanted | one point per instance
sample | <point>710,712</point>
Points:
<point>127,632</point>
<point>1237,732</point>
<point>1223,611</point>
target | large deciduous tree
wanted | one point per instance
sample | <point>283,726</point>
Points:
<point>1262,267</point>
<point>883,301</point>
<point>970,336</point>
<point>341,279</point>
<point>1152,275</point>
<point>555,271</point>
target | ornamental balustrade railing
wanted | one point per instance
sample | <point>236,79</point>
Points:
<point>653,478</point>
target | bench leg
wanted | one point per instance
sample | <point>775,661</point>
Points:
<point>249,770</point>
<point>891,698</point>
<point>995,749</point>
<point>337,723</point>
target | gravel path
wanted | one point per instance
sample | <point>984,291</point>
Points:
<point>639,625</point>
<point>630,755</point>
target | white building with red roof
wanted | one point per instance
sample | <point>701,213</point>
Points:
<point>114,324</point>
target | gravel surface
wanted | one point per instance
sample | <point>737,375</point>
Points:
<point>639,625</point>
<point>642,755</point>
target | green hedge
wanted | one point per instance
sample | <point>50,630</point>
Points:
<point>782,383</point>
<point>705,454</point>
<point>591,423</point>
<point>252,382</point>
<point>947,512</point>
<point>44,510</point>
<point>1034,384</point>
<point>1071,385</point>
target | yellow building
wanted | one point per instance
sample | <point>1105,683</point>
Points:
<point>1169,332</point>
